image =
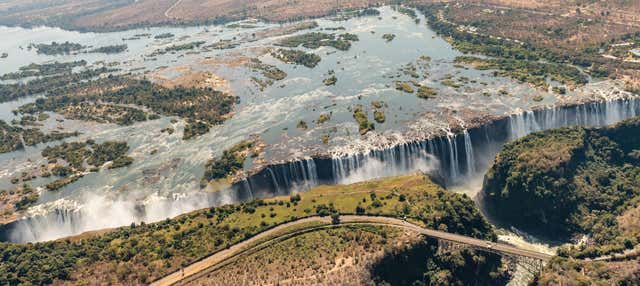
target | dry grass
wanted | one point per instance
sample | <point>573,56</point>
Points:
<point>629,222</point>
<point>340,256</point>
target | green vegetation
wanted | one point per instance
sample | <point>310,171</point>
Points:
<point>142,253</point>
<point>427,92</point>
<point>15,201</point>
<point>178,48</point>
<point>330,81</point>
<point>405,86</point>
<point>309,60</point>
<point>223,45</point>
<point>315,40</point>
<point>364,255</point>
<point>12,137</point>
<point>39,70</point>
<point>72,159</point>
<point>422,264</point>
<point>448,81</point>
<point>378,115</point>
<point>57,48</point>
<point>505,49</point>
<point>568,271</point>
<point>90,111</point>
<point>112,49</point>
<point>203,104</point>
<point>270,71</point>
<point>164,36</point>
<point>569,182</point>
<point>533,72</point>
<point>378,104</point>
<point>363,121</point>
<point>230,162</point>
<point>368,12</point>
<point>48,85</point>
<point>302,125</point>
<point>182,47</point>
<point>407,11</point>
<point>195,128</point>
<point>388,37</point>
<point>324,117</point>
<point>560,89</point>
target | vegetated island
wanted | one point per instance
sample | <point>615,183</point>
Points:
<point>125,100</point>
<point>309,60</point>
<point>40,70</point>
<point>142,253</point>
<point>578,184</point>
<point>225,169</point>
<point>315,40</point>
<point>14,138</point>
<point>55,48</point>
<point>112,49</point>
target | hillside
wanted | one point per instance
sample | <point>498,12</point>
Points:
<point>570,182</point>
<point>574,184</point>
<point>358,255</point>
<point>145,252</point>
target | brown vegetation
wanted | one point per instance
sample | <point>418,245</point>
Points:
<point>340,256</point>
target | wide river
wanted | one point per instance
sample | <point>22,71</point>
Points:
<point>166,183</point>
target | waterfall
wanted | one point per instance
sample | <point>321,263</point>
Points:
<point>274,180</point>
<point>469,157</point>
<point>439,155</point>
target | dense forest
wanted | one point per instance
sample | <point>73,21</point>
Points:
<point>422,264</point>
<point>569,182</point>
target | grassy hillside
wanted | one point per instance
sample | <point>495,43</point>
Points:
<point>145,252</point>
<point>570,182</point>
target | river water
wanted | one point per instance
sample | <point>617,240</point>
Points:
<point>166,184</point>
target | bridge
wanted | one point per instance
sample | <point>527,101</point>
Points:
<point>531,260</point>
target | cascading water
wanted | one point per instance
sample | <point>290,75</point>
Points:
<point>469,157</point>
<point>438,155</point>
<point>452,156</point>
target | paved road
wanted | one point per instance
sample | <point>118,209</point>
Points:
<point>237,249</point>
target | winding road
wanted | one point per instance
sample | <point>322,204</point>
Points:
<point>166,13</point>
<point>279,234</point>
